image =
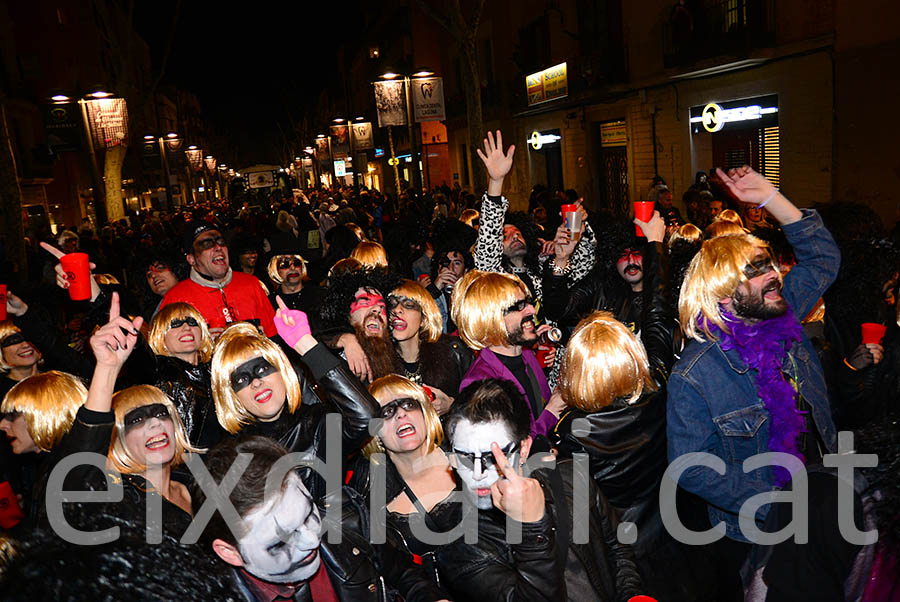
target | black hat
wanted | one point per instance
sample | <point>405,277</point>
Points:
<point>193,230</point>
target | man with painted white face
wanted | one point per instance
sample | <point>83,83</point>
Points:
<point>489,432</point>
<point>220,294</point>
<point>279,551</point>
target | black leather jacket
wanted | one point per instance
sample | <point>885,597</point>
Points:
<point>444,363</point>
<point>601,569</point>
<point>305,429</point>
<point>189,388</point>
<point>360,571</point>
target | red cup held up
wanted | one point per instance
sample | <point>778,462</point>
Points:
<point>643,210</point>
<point>10,512</point>
<point>873,333</point>
<point>572,217</point>
<point>78,274</point>
<point>2,302</point>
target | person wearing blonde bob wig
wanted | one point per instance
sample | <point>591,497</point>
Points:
<point>179,366</point>
<point>370,254</point>
<point>257,391</point>
<point>36,415</point>
<point>418,474</point>
<point>495,316</point>
<point>428,357</point>
<point>138,429</point>
<point>288,274</point>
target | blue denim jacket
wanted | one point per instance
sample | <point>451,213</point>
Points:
<point>713,405</point>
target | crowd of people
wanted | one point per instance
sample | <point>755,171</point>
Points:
<point>348,396</point>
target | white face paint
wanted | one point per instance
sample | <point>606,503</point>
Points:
<point>282,544</point>
<point>472,438</point>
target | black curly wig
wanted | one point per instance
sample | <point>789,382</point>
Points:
<point>341,291</point>
<point>530,232</point>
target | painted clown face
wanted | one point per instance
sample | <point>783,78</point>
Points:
<point>473,459</point>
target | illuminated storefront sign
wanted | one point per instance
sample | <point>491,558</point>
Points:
<point>549,84</point>
<point>538,140</point>
<point>753,112</point>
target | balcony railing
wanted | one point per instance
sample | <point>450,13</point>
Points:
<point>718,27</point>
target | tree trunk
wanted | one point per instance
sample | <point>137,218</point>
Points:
<point>472,86</point>
<point>112,176</point>
<point>12,229</point>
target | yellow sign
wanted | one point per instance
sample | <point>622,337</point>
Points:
<point>393,161</point>
<point>713,117</point>
<point>549,84</point>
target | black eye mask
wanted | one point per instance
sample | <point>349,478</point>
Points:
<point>13,339</point>
<point>243,375</point>
<point>138,416</point>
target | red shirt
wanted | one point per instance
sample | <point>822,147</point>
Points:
<point>244,298</point>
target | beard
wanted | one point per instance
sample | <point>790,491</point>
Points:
<point>383,359</point>
<point>754,306</point>
<point>518,336</point>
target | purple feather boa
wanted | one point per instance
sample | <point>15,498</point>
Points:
<point>763,346</point>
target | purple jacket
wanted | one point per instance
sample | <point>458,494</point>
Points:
<point>488,365</point>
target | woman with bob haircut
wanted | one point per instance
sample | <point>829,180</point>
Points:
<point>257,391</point>
<point>723,228</point>
<point>419,480</point>
<point>615,387</point>
<point>730,215</point>
<point>370,254</point>
<point>181,347</point>
<point>428,357</point>
<point>685,232</point>
<point>138,429</point>
<point>36,415</point>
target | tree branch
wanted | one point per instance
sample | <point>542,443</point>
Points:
<point>437,16</point>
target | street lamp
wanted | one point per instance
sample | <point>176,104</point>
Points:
<point>164,160</point>
<point>413,146</point>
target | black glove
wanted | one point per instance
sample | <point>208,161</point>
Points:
<point>861,358</point>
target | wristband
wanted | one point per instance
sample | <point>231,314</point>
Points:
<point>292,334</point>
<point>849,365</point>
<point>766,202</point>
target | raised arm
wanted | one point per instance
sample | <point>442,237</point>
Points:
<point>489,243</point>
<point>112,344</point>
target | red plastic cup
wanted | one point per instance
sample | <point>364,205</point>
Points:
<point>10,512</point>
<point>78,273</point>
<point>641,599</point>
<point>2,302</point>
<point>873,333</point>
<point>572,217</point>
<point>643,210</point>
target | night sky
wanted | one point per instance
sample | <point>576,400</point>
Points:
<point>251,67</point>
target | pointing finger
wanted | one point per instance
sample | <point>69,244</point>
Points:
<point>114,307</point>
<point>52,250</point>
<point>281,304</point>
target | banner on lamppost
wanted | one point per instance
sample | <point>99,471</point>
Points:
<point>340,141</point>
<point>306,162</point>
<point>211,163</point>
<point>361,134</point>
<point>390,100</point>
<point>108,118</point>
<point>63,122</point>
<point>174,155</point>
<point>261,179</point>
<point>428,99</point>
<point>322,154</point>
<point>195,158</point>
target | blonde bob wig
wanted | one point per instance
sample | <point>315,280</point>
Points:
<point>723,228</point>
<point>48,403</point>
<point>273,267</point>
<point>714,274</point>
<point>7,328</point>
<point>136,397</point>
<point>432,323</point>
<point>603,362</point>
<point>176,311</point>
<point>239,343</point>
<point>686,232</point>
<point>478,302</point>
<point>370,254</point>
<point>388,388</point>
<point>730,215</point>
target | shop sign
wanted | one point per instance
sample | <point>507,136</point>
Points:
<point>613,134</point>
<point>339,169</point>
<point>546,85</point>
<point>755,112</point>
<point>428,99</point>
<point>538,140</point>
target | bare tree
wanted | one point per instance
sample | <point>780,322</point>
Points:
<point>464,31</point>
<point>12,229</point>
<point>116,28</point>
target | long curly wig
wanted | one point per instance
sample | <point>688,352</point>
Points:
<point>341,291</point>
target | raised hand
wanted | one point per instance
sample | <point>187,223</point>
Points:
<point>61,280</point>
<point>497,163</point>
<point>14,305</point>
<point>113,342</point>
<point>356,357</point>
<point>747,185</point>
<point>518,497</point>
<point>655,229</point>
<point>441,402</point>
<point>291,324</point>
<point>564,245</point>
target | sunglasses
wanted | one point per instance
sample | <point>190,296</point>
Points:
<point>179,322</point>
<point>11,416</point>
<point>284,264</point>
<point>208,243</point>
<point>408,404</point>
<point>138,416</point>
<point>467,459</point>
<point>406,302</point>
<point>760,266</point>
<point>519,305</point>
<point>13,339</point>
